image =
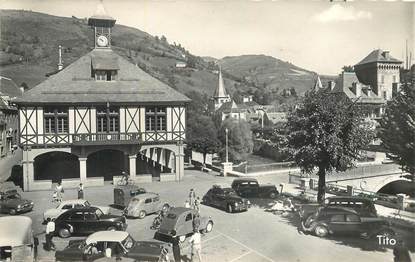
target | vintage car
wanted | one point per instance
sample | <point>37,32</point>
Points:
<point>16,239</point>
<point>363,206</point>
<point>341,220</point>
<point>249,187</point>
<point>123,194</point>
<point>69,204</point>
<point>225,198</point>
<point>10,200</point>
<point>143,204</point>
<point>87,220</point>
<point>179,223</point>
<point>104,245</point>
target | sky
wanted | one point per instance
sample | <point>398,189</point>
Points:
<point>316,35</point>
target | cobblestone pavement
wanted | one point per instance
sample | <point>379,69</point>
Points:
<point>255,235</point>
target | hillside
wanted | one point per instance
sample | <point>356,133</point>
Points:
<point>29,50</point>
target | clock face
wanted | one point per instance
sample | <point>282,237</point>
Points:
<point>102,41</point>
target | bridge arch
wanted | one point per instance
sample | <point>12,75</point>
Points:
<point>388,181</point>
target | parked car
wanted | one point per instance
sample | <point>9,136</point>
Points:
<point>249,187</point>
<point>69,204</point>
<point>123,194</point>
<point>341,220</point>
<point>114,244</point>
<point>16,239</point>
<point>226,198</point>
<point>179,223</point>
<point>87,220</point>
<point>11,202</point>
<point>364,206</point>
<point>143,204</point>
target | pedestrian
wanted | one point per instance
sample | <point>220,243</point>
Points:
<point>59,190</point>
<point>50,231</point>
<point>197,205</point>
<point>196,222</point>
<point>196,246</point>
<point>176,249</point>
<point>401,252</point>
<point>192,197</point>
<point>80,191</point>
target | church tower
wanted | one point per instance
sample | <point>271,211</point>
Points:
<point>102,24</point>
<point>220,96</point>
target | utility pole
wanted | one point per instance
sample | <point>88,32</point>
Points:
<point>226,148</point>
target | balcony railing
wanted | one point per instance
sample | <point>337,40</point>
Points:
<point>106,138</point>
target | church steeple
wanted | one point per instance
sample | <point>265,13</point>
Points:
<point>102,24</point>
<point>220,96</point>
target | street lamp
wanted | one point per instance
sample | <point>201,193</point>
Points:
<point>226,148</point>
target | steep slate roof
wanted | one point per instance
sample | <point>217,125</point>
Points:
<point>230,107</point>
<point>378,55</point>
<point>74,84</point>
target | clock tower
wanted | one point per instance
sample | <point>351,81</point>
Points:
<point>102,24</point>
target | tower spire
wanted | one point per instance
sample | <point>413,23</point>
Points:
<point>318,85</point>
<point>220,91</point>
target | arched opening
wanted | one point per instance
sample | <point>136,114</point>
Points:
<point>399,186</point>
<point>155,162</point>
<point>106,163</point>
<point>56,166</point>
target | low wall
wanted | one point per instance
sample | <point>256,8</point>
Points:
<point>40,185</point>
<point>93,181</point>
<point>167,177</point>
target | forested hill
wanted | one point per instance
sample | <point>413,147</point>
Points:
<point>29,50</point>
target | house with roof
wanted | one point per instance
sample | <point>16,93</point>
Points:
<point>8,115</point>
<point>375,81</point>
<point>100,116</point>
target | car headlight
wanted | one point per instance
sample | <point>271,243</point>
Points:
<point>236,204</point>
<point>19,206</point>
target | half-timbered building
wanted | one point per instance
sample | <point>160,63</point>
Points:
<point>99,116</point>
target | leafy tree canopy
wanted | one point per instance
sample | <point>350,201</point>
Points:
<point>327,132</point>
<point>397,128</point>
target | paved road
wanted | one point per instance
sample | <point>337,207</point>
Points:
<point>255,235</point>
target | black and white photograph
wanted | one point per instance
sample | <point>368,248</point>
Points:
<point>207,130</point>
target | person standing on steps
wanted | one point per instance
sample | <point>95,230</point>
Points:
<point>59,190</point>
<point>80,191</point>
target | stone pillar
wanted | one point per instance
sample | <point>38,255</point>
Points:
<point>28,175</point>
<point>179,163</point>
<point>227,167</point>
<point>82,169</point>
<point>132,165</point>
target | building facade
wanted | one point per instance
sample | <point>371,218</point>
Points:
<point>98,114</point>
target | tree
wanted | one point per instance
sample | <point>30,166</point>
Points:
<point>397,129</point>
<point>326,132</point>
<point>240,142</point>
<point>348,68</point>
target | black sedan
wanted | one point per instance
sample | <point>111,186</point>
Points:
<point>84,221</point>
<point>342,220</point>
<point>115,244</point>
<point>225,198</point>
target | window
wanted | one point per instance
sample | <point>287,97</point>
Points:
<point>156,119</point>
<point>189,217</point>
<point>108,119</point>
<point>67,207</point>
<point>77,216</point>
<point>148,200</point>
<point>55,120</point>
<point>90,216</point>
<point>385,95</point>
<point>352,218</point>
<point>105,75</point>
<point>337,218</point>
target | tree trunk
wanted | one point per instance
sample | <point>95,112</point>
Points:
<point>321,184</point>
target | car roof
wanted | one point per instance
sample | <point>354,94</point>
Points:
<point>340,209</point>
<point>144,195</point>
<point>180,210</point>
<point>113,236</point>
<point>14,230</point>
<point>73,201</point>
<point>81,209</point>
<point>245,179</point>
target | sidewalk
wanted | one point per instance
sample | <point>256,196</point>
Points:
<point>7,163</point>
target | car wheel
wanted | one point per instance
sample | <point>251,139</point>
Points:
<point>229,208</point>
<point>142,214</point>
<point>165,207</point>
<point>272,195</point>
<point>321,231</point>
<point>182,239</point>
<point>209,227</point>
<point>111,228</point>
<point>64,233</point>
<point>12,212</point>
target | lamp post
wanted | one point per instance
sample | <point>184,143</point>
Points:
<point>226,148</point>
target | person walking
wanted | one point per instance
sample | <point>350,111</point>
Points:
<point>192,197</point>
<point>196,223</point>
<point>196,246</point>
<point>401,252</point>
<point>50,231</point>
<point>80,191</point>
<point>59,190</point>
<point>176,249</point>
<point>197,205</point>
